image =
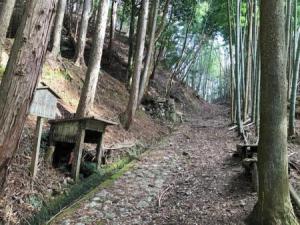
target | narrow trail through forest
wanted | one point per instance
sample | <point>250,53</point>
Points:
<point>190,178</point>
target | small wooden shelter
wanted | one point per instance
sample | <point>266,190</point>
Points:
<point>44,105</point>
<point>79,131</point>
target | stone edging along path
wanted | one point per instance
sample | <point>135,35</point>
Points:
<point>127,195</point>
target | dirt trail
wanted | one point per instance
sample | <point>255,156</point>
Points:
<point>190,179</point>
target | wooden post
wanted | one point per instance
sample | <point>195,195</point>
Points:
<point>36,150</point>
<point>78,153</point>
<point>49,155</point>
<point>99,150</point>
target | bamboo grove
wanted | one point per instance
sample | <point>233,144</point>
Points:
<point>215,49</point>
<point>244,47</point>
<point>211,46</point>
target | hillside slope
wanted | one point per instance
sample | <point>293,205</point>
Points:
<point>24,196</point>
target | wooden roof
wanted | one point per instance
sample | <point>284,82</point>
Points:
<point>44,86</point>
<point>105,121</point>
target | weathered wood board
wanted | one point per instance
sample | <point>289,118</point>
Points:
<point>65,132</point>
<point>67,129</point>
<point>44,103</point>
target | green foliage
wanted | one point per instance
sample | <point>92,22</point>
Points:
<point>204,25</point>
<point>217,17</point>
<point>49,73</point>
<point>124,11</point>
<point>201,11</point>
<point>88,168</point>
<point>95,4</point>
<point>184,19</point>
<point>35,201</point>
<point>184,10</point>
<point>244,14</point>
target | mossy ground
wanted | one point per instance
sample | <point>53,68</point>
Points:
<point>86,188</point>
<point>107,183</point>
<point>57,74</point>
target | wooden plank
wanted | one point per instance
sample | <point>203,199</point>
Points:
<point>95,125</point>
<point>36,150</point>
<point>247,145</point>
<point>106,122</point>
<point>65,132</point>
<point>44,104</point>
<point>100,151</point>
<point>78,153</point>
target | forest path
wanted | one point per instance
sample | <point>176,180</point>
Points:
<point>190,179</point>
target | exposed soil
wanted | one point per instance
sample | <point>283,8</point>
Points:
<point>191,178</point>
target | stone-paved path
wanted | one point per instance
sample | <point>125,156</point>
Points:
<point>190,179</point>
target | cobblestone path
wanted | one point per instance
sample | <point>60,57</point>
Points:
<point>190,179</point>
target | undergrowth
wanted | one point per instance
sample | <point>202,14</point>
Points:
<point>49,73</point>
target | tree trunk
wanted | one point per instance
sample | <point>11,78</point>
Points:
<point>113,20</point>
<point>149,55</point>
<point>122,18</point>
<point>229,12</point>
<point>242,63</point>
<point>288,23</point>
<point>161,26</point>
<point>93,19</point>
<point>274,205</point>
<point>21,77</point>
<point>290,46</point>
<point>189,57</point>
<point>177,65</point>
<point>198,88</point>
<point>58,26</point>
<point>248,72</point>
<point>6,12</point>
<point>131,40</point>
<point>238,69</point>
<point>138,63</point>
<point>189,62</point>
<point>81,39</point>
<point>5,17</point>
<point>156,60</point>
<point>79,9</point>
<point>255,87</point>
<point>257,96</point>
<point>205,88</point>
<point>294,92</point>
<point>91,80</point>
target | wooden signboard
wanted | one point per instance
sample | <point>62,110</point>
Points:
<point>44,105</point>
